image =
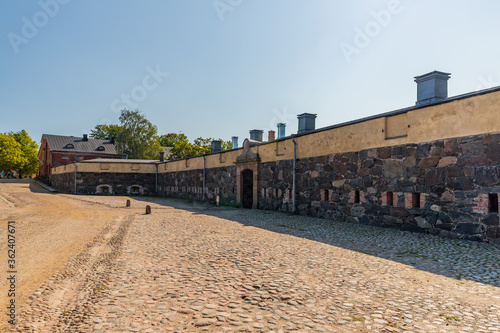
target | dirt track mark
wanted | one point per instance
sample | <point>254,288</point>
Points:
<point>67,298</point>
<point>8,201</point>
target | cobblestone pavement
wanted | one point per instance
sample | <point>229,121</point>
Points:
<point>192,268</point>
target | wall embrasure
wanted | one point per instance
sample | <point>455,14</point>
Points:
<point>447,187</point>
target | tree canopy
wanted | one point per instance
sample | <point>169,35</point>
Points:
<point>105,131</point>
<point>137,137</point>
<point>180,147</point>
<point>18,152</point>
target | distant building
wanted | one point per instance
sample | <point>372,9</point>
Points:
<point>58,150</point>
<point>166,152</point>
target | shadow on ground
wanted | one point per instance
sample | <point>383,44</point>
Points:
<point>28,181</point>
<point>15,180</point>
<point>457,259</point>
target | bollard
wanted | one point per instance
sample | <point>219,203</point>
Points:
<point>148,209</point>
<point>128,203</point>
<point>217,201</point>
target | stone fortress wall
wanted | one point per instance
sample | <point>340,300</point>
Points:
<point>431,168</point>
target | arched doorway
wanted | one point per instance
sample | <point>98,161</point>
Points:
<point>247,188</point>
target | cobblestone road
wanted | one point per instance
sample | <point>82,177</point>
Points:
<point>190,268</point>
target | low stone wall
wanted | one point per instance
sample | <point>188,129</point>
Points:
<point>63,182</point>
<point>276,185</point>
<point>189,185</point>
<point>106,183</point>
<point>446,187</point>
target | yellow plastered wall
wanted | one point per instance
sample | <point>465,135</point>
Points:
<point>108,167</point>
<point>471,116</point>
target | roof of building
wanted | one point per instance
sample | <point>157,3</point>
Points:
<point>117,160</point>
<point>72,144</point>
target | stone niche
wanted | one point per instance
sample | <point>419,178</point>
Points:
<point>104,189</point>
<point>135,190</point>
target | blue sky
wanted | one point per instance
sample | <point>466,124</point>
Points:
<point>219,68</point>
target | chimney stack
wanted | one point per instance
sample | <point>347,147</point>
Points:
<point>85,137</point>
<point>216,146</point>
<point>162,156</point>
<point>281,130</point>
<point>432,87</point>
<point>256,135</point>
<point>234,140</point>
<point>270,135</point>
<point>307,122</point>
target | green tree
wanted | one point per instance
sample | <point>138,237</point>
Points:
<point>202,146</point>
<point>11,154</point>
<point>181,147</point>
<point>171,139</point>
<point>137,136</point>
<point>105,131</point>
<point>226,145</point>
<point>29,150</point>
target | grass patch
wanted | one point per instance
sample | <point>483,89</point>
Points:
<point>450,318</point>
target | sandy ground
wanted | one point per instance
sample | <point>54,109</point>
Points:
<point>50,229</point>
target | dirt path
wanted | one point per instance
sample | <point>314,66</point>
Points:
<point>49,230</point>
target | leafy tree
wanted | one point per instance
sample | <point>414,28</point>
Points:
<point>18,152</point>
<point>137,136</point>
<point>105,131</point>
<point>181,147</point>
<point>226,145</point>
<point>171,139</point>
<point>202,146</point>
<point>11,154</point>
<point>29,150</point>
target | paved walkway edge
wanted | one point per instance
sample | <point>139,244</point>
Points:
<point>44,186</point>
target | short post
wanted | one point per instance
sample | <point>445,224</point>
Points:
<point>128,203</point>
<point>148,209</point>
<point>217,201</point>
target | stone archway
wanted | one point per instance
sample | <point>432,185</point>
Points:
<point>247,188</point>
<point>104,189</point>
<point>135,190</point>
<point>247,176</point>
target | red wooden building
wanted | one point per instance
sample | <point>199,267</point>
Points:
<point>59,150</point>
